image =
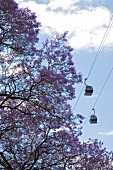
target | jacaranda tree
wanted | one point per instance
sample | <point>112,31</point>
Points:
<point>93,156</point>
<point>37,127</point>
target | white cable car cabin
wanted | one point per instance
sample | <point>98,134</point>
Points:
<point>93,119</point>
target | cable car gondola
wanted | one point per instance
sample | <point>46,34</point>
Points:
<point>93,118</point>
<point>88,89</point>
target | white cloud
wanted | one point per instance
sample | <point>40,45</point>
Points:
<point>110,133</point>
<point>94,1</point>
<point>86,27</point>
<point>19,1</point>
<point>62,3</point>
<point>89,1</point>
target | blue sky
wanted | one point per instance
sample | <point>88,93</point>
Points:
<point>86,21</point>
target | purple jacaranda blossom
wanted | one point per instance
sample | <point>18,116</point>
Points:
<point>38,130</point>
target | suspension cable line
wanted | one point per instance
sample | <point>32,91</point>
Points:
<point>97,54</point>
<point>101,44</point>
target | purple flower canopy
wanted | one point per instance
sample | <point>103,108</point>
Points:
<point>34,100</point>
